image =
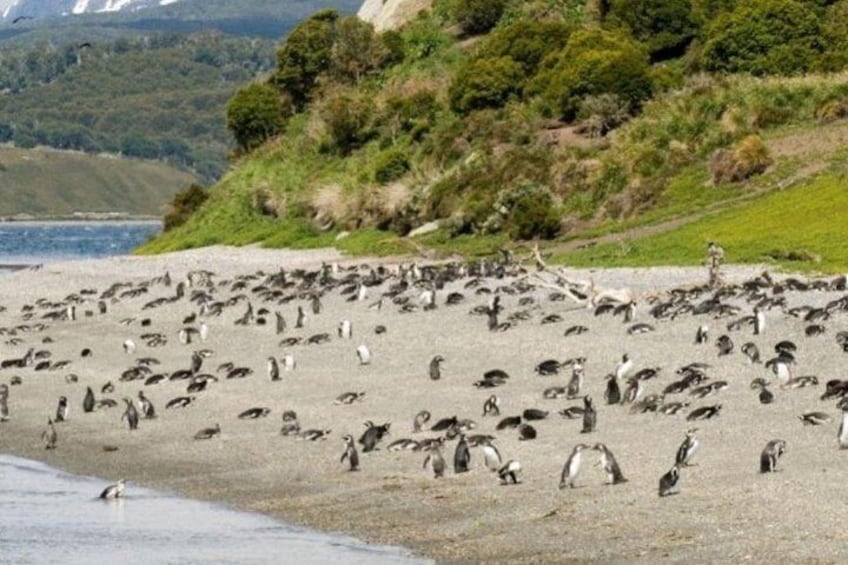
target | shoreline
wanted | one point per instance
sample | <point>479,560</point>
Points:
<point>726,511</point>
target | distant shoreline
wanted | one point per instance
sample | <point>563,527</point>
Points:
<point>79,219</point>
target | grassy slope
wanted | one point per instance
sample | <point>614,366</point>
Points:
<point>48,182</point>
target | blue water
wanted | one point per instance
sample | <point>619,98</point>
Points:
<point>40,242</point>
<point>47,516</point>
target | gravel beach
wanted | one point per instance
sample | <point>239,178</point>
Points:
<point>726,509</point>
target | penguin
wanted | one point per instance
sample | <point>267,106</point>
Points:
<point>301,317</point>
<point>687,449</point>
<point>364,355</point>
<point>759,321</point>
<point>781,370</point>
<point>49,435</point>
<point>842,436</point>
<point>771,453</point>
<point>435,459</point>
<point>372,435</point>
<point>350,453</point>
<point>435,367</point>
<point>572,467</point>
<point>208,433</point>
<point>114,491</point>
<point>612,394</point>
<point>289,364</point>
<point>668,482</point>
<point>610,465</point>
<point>702,335</point>
<point>204,331</point>
<point>462,456</point>
<point>345,330</point>
<point>71,313</point>
<point>491,455</point>
<point>273,369</point>
<point>130,415</point>
<point>590,416</point>
<point>196,363</point>
<point>315,302</point>
<point>751,351</point>
<point>62,409</point>
<point>147,408</point>
<point>4,403</point>
<point>281,323</point>
<point>576,382</point>
<point>509,472</point>
<point>420,420</point>
<point>492,406</point>
<point>632,392</point>
<point>129,347</point>
<point>623,368</point>
<point>724,345</point>
<point>88,401</point>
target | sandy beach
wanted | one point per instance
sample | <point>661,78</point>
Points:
<point>726,510</point>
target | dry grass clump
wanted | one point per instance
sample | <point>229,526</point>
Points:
<point>750,157</point>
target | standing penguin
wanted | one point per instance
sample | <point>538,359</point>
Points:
<point>491,455</point>
<point>49,436</point>
<point>759,321</point>
<point>420,420</point>
<point>668,482</point>
<point>842,436</point>
<point>576,382</point>
<point>590,416</point>
<point>204,331</point>
<point>350,453</point>
<point>130,415</point>
<point>462,456</point>
<point>147,408</point>
<point>4,402</point>
<point>623,368</point>
<point>612,394</point>
<point>281,323</point>
<point>273,369</point>
<point>364,355</point>
<point>492,406</point>
<point>771,453</point>
<point>345,329</point>
<point>316,304</point>
<point>435,459</point>
<point>610,465</point>
<point>88,401</point>
<point>702,335</point>
<point>509,472</point>
<point>572,467</point>
<point>435,367</point>
<point>687,449</point>
<point>301,317</point>
<point>289,364</point>
<point>62,409</point>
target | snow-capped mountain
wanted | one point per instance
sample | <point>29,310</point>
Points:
<point>12,9</point>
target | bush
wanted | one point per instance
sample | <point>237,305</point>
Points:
<point>254,114</point>
<point>835,37</point>
<point>665,26</point>
<point>347,114</point>
<point>391,165</point>
<point>751,157</point>
<point>763,37</point>
<point>478,16</point>
<point>305,54</point>
<point>485,83</point>
<point>357,50</point>
<point>593,62</point>
<point>525,212</point>
<point>526,42</point>
<point>184,204</point>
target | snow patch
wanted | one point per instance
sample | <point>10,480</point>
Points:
<point>80,7</point>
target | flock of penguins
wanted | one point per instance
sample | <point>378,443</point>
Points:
<point>410,288</point>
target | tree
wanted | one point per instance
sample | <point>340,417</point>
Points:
<point>526,42</point>
<point>305,54</point>
<point>347,114</point>
<point>763,37</point>
<point>478,16</point>
<point>485,83</point>
<point>835,37</point>
<point>254,114</point>
<point>665,26</point>
<point>356,51</point>
<point>593,62</point>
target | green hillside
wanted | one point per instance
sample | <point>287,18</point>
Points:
<point>569,121</point>
<point>46,182</point>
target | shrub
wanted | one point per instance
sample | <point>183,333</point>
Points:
<point>763,37</point>
<point>357,50</point>
<point>478,16</point>
<point>835,37</point>
<point>184,204</point>
<point>305,54</point>
<point>593,62</point>
<point>254,114</point>
<point>347,114</point>
<point>391,165</point>
<point>526,42</point>
<point>602,113</point>
<point>525,212</point>
<point>749,158</point>
<point>665,26</point>
<point>485,83</point>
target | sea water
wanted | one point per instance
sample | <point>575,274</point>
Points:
<point>48,516</point>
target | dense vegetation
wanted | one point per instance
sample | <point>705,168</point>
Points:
<point>534,118</point>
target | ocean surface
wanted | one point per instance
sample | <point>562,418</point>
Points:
<point>28,243</point>
<point>47,516</point>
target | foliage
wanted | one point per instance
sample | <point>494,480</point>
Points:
<point>183,205</point>
<point>347,115</point>
<point>526,42</point>
<point>485,83</point>
<point>763,37</point>
<point>305,54</point>
<point>254,114</point>
<point>478,16</point>
<point>665,26</point>
<point>749,158</point>
<point>593,62</point>
<point>391,165</point>
<point>834,35</point>
<point>526,211</point>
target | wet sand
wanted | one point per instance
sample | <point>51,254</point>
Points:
<point>726,511</point>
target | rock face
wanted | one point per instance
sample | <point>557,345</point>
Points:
<point>391,14</point>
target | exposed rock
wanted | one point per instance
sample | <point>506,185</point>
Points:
<point>429,227</point>
<point>391,14</point>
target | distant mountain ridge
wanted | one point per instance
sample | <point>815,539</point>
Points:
<point>12,9</point>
